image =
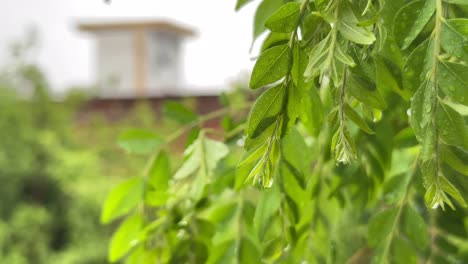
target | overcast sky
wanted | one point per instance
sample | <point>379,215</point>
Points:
<point>217,55</point>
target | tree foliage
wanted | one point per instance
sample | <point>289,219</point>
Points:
<point>353,150</point>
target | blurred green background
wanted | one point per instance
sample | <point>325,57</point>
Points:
<point>56,169</point>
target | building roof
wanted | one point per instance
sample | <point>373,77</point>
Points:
<point>122,24</point>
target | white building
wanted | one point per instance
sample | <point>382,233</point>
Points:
<point>139,58</point>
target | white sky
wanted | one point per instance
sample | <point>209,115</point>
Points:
<point>219,54</point>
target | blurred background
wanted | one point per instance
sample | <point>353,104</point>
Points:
<point>75,74</point>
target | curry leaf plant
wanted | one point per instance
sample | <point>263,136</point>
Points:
<point>354,150</point>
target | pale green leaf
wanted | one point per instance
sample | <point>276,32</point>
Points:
<point>317,58</point>
<point>125,238</point>
<point>453,80</point>
<point>285,19</point>
<point>122,199</point>
<point>271,66</point>
<point>139,141</point>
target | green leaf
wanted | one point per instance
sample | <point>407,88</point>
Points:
<point>421,108</point>
<point>317,58</point>
<point>156,198</point>
<point>125,238</point>
<point>395,188</point>
<point>414,69</point>
<point>179,112</point>
<point>454,37</point>
<point>249,253</point>
<point>355,33</point>
<point>122,199</point>
<point>409,22</point>
<point>203,154</point>
<point>380,226</point>
<point>343,57</point>
<point>265,110</point>
<point>292,108</point>
<point>353,116</point>
<point>453,80</point>
<point>451,159</point>
<point>267,206</point>
<point>271,66</point>
<point>160,172</point>
<point>415,228</point>
<point>343,147</point>
<point>458,2</point>
<point>285,19</point>
<point>348,28</point>
<point>403,252</point>
<point>252,156</point>
<point>448,187</point>
<point>365,91</point>
<point>311,113</point>
<point>452,127</point>
<point>241,3</point>
<point>300,61</point>
<point>275,39</point>
<point>264,11</point>
<point>139,141</point>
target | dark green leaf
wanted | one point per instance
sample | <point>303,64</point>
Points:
<point>139,141</point>
<point>410,21</point>
<point>353,116</point>
<point>285,19</point>
<point>122,199</point>
<point>454,37</point>
<point>452,127</point>
<point>275,39</point>
<point>271,66</point>
<point>265,110</point>
<point>454,81</point>
<point>413,71</point>
<point>365,91</point>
